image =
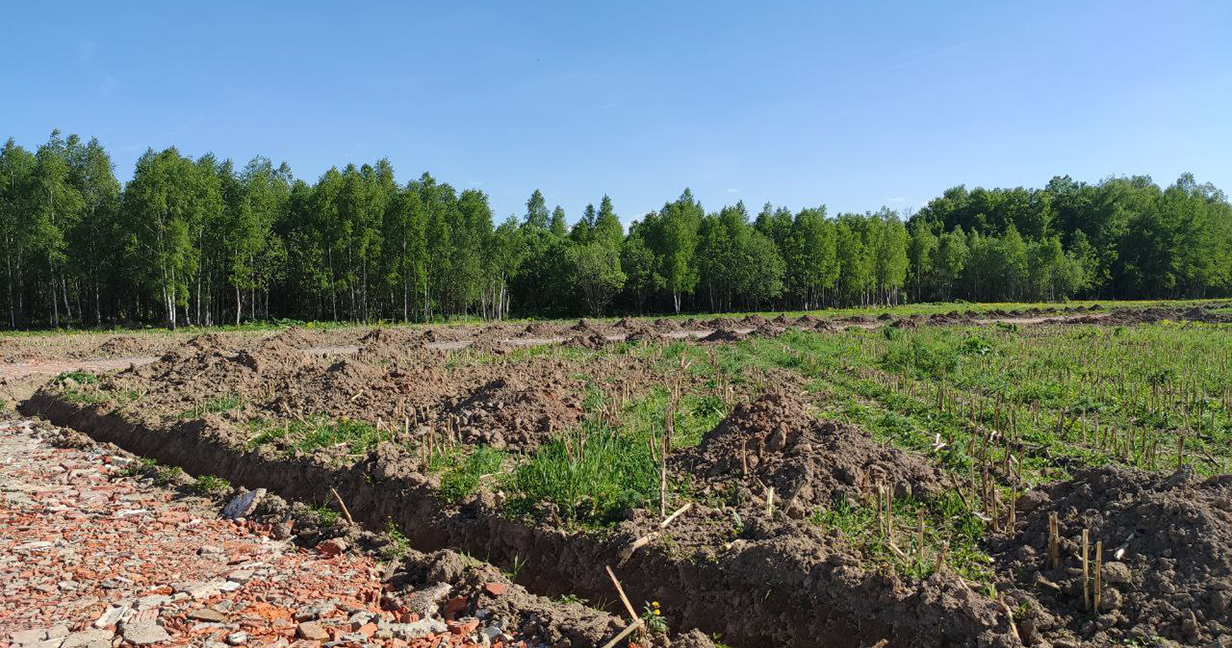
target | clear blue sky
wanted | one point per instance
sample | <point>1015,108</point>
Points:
<point>853,105</point>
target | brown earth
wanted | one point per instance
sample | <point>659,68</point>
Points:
<point>1167,547</point>
<point>510,412</point>
<point>774,442</point>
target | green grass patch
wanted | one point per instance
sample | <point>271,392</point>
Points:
<point>462,480</point>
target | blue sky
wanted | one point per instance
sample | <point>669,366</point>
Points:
<point>853,105</point>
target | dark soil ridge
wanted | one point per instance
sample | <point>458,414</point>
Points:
<point>768,591</point>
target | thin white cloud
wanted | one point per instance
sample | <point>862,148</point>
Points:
<point>896,199</point>
<point>608,106</point>
<point>733,190</point>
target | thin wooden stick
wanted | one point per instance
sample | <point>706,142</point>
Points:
<point>1054,547</point>
<point>1086,571</point>
<point>677,513</point>
<point>1099,571</point>
<point>621,591</point>
<point>624,633</point>
<point>344,507</point>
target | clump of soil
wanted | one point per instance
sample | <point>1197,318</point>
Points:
<point>390,342</point>
<point>538,330</point>
<point>755,321</point>
<point>666,325</point>
<point>629,324</point>
<point>119,346</point>
<point>768,330</point>
<point>510,413</point>
<point>591,340</point>
<point>646,335</point>
<point>904,323</point>
<point>807,321</point>
<point>586,326</point>
<point>447,334</point>
<point>292,338</point>
<point>1167,550</point>
<point>722,324</point>
<point>724,335</point>
<point>809,462</point>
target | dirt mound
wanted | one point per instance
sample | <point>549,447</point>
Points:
<point>664,324</point>
<point>630,324</point>
<point>724,335</point>
<point>904,323</point>
<point>538,330</point>
<point>808,462</point>
<point>781,320</point>
<point>807,321</point>
<point>646,335</point>
<point>825,326</point>
<point>1167,551</point>
<point>445,334</point>
<point>390,342</point>
<point>119,346</point>
<point>208,341</point>
<point>723,324</point>
<point>754,321</point>
<point>510,413</point>
<point>693,323</point>
<point>590,340</point>
<point>292,338</point>
<point>768,330</point>
<point>587,326</point>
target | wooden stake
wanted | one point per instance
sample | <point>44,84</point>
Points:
<point>1099,570</point>
<point>1054,545</point>
<point>1086,571</point>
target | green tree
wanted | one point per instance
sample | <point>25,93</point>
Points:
<point>596,274</point>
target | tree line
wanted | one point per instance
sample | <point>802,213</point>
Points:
<point>202,242</point>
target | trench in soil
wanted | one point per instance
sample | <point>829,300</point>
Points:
<point>771,592</point>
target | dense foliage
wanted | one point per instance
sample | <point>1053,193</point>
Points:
<point>198,241</point>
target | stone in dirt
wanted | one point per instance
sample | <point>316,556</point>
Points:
<point>416,630</point>
<point>244,504</point>
<point>209,615</point>
<point>88,639</point>
<point>315,611</point>
<point>332,547</point>
<point>312,631</point>
<point>425,602</point>
<point>145,634</point>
